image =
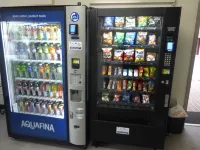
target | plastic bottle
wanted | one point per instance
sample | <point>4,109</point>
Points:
<point>52,50</point>
<point>54,90</point>
<point>44,29</point>
<point>33,50</point>
<point>23,69</point>
<point>58,51</point>
<point>48,32</point>
<point>51,33</point>
<point>47,71</point>
<point>43,89</point>
<point>41,68</point>
<point>18,69</point>
<point>19,87</point>
<point>53,71</point>
<point>29,69</point>
<point>36,88</point>
<point>35,70</point>
<point>40,34</point>
<point>39,50</point>
<point>59,69</point>
<point>30,86</point>
<point>48,89</point>
<point>60,90</point>
<point>24,86</point>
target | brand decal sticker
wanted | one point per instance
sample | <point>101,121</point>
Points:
<point>122,130</point>
<point>74,16</point>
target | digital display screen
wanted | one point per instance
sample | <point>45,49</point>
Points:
<point>75,61</point>
<point>73,29</point>
<point>170,46</point>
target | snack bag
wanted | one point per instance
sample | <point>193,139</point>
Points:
<point>115,71</point>
<point>152,71</point>
<point>113,85</point>
<point>125,72</point>
<point>129,85</point>
<point>119,21</point>
<point>118,55</point>
<point>130,22</point>
<point>129,38</point>
<point>135,72</point>
<point>152,39</point>
<point>116,98</point>
<point>142,21</point>
<point>118,85</point>
<point>140,86</point>
<point>146,72</point>
<point>144,86</point>
<point>129,55</point>
<point>109,84</point>
<point>126,97</point>
<point>119,71</point>
<point>130,72</point>
<point>119,38</point>
<point>105,97</point>
<point>104,70</point>
<point>107,38</point>
<point>145,99</point>
<point>108,21</point>
<point>139,55</point>
<point>124,84</point>
<point>109,70</point>
<point>107,53</point>
<point>141,38</point>
<point>105,81</point>
<point>136,98</point>
<point>154,21</point>
<point>151,56</point>
<point>150,86</point>
<point>134,86</point>
<point>141,70</point>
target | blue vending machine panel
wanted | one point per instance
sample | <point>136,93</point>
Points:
<point>33,58</point>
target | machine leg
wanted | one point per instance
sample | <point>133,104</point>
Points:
<point>95,144</point>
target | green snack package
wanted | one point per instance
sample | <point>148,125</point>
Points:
<point>129,85</point>
<point>142,21</point>
<point>119,38</point>
<point>152,71</point>
<point>146,72</point>
<point>105,97</point>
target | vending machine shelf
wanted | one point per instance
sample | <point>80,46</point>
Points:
<point>36,41</point>
<point>44,115</point>
<point>131,28</point>
<point>129,63</point>
<point>41,98</point>
<point>35,79</point>
<point>122,46</point>
<point>127,77</point>
<point>112,91</point>
<point>38,61</point>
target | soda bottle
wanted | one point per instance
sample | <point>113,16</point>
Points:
<point>35,32</point>
<point>37,88</point>
<point>47,71</point>
<point>51,33</point>
<point>29,69</point>
<point>53,71</point>
<point>18,68</point>
<point>19,87</point>
<point>33,50</point>
<point>31,88</point>
<point>44,29</point>
<point>46,51</point>
<point>59,69</point>
<point>26,31</point>
<point>43,89</point>
<point>48,32</point>
<point>24,87</point>
<point>60,90</point>
<point>20,32</point>
<point>39,51</point>
<point>55,28</point>
<point>54,90</point>
<point>20,47</point>
<point>23,69</point>
<point>48,89</point>
<point>40,34</point>
<point>41,68</point>
<point>35,70</point>
<point>52,50</point>
<point>58,33</point>
<point>58,51</point>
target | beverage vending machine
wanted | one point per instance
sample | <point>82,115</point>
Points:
<point>43,64</point>
<point>132,56</point>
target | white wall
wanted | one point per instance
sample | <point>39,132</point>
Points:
<point>4,3</point>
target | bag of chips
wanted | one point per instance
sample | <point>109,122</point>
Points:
<point>139,55</point>
<point>115,71</point>
<point>109,84</point>
<point>129,85</point>
<point>135,72</point>
<point>130,72</point>
<point>125,72</point>
<point>134,86</point>
<point>141,38</point>
<point>142,21</point>
<point>141,70</point>
<point>145,86</point>
<point>119,71</point>
<point>139,85</point>
<point>107,38</point>
<point>150,86</point>
<point>119,21</point>
<point>118,55</point>
<point>154,21</point>
<point>145,99</point>
<point>105,83</point>
<point>129,55</point>
<point>107,54</point>
<point>105,97</point>
<point>113,84</point>
<point>124,84</point>
<point>152,39</point>
<point>126,97</point>
<point>136,99</point>
<point>151,56</point>
<point>116,98</point>
<point>109,70</point>
<point>118,85</point>
<point>146,72</point>
<point>104,70</point>
<point>108,21</point>
<point>130,22</point>
<point>152,71</point>
<point>129,38</point>
<point>119,38</point>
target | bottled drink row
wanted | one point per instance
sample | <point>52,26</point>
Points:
<point>45,89</point>
<point>35,32</point>
<point>39,70</point>
<point>41,107</point>
<point>39,51</point>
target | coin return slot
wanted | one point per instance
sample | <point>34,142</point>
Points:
<point>76,95</point>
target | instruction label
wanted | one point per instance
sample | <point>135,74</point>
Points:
<point>75,46</point>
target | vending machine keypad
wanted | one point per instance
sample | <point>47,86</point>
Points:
<point>167,59</point>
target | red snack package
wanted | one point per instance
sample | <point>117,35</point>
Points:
<point>134,86</point>
<point>129,55</point>
<point>107,53</point>
<point>118,55</point>
<point>124,84</point>
<point>140,86</point>
<point>118,85</point>
<point>116,98</point>
<point>141,70</point>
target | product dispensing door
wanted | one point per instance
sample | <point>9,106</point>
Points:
<point>76,59</point>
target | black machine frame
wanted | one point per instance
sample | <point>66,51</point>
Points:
<point>148,126</point>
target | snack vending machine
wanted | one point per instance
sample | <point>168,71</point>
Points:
<point>132,57</point>
<point>43,60</point>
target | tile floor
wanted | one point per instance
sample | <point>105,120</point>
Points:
<point>189,140</point>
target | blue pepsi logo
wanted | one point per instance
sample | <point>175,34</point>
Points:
<point>74,17</point>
